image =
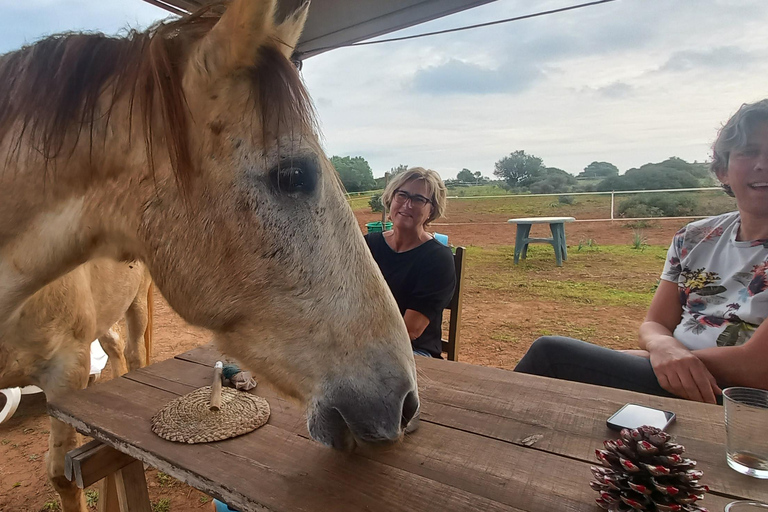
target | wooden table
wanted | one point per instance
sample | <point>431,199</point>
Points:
<point>489,440</point>
<point>556,226</point>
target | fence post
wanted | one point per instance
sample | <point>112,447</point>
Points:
<point>384,207</point>
<point>613,197</point>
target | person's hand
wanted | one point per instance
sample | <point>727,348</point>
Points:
<point>680,372</point>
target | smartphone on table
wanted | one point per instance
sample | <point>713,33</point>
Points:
<point>634,416</point>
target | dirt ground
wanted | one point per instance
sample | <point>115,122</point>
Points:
<point>496,331</point>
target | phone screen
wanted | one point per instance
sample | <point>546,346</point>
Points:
<point>633,416</point>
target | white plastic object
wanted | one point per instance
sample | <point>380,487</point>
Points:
<point>98,358</point>
<point>12,399</point>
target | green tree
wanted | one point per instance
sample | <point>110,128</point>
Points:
<point>553,181</point>
<point>519,169</point>
<point>466,176</point>
<point>397,170</point>
<point>671,173</point>
<point>599,170</point>
<point>355,173</point>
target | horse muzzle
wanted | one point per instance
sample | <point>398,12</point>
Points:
<point>347,417</point>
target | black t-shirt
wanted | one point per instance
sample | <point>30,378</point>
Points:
<point>422,279</point>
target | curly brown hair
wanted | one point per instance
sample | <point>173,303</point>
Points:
<point>735,133</point>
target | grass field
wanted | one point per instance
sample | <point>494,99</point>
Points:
<point>600,295</point>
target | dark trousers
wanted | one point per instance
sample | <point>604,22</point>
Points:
<point>568,359</point>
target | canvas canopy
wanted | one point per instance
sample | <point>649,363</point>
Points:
<point>334,23</point>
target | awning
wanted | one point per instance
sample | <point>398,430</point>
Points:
<point>334,23</point>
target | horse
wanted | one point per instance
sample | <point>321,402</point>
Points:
<point>47,341</point>
<point>194,148</point>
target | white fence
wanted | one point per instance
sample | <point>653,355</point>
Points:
<point>612,194</point>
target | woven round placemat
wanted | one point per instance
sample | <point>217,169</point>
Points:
<point>188,419</point>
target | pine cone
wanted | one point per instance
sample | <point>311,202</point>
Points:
<point>645,470</point>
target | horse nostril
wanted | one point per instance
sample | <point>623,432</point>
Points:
<point>410,407</point>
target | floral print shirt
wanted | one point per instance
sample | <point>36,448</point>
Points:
<point>722,282</point>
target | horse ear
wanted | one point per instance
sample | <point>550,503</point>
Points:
<point>234,41</point>
<point>289,31</point>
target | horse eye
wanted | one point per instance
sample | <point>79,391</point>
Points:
<point>294,175</point>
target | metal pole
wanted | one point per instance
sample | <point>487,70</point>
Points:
<point>384,207</point>
<point>613,198</point>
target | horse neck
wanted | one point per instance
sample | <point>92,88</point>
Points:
<point>59,214</point>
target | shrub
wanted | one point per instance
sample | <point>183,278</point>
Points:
<point>587,245</point>
<point>566,199</point>
<point>375,203</point>
<point>639,240</point>
<point>657,205</point>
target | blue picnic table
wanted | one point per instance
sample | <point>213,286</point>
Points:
<point>556,226</point>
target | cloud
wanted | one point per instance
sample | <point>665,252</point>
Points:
<point>457,77</point>
<point>723,57</point>
<point>616,90</point>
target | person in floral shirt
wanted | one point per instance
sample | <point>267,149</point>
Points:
<point>705,327</point>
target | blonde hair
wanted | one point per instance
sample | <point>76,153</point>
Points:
<point>435,189</point>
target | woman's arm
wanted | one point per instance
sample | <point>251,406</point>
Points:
<point>677,369</point>
<point>415,322</point>
<point>745,365</point>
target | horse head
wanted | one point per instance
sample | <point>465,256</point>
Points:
<point>258,244</point>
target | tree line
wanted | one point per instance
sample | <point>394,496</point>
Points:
<point>523,172</point>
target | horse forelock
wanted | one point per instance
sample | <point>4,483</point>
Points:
<point>50,91</point>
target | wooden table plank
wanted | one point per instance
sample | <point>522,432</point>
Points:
<point>469,453</point>
<point>450,456</point>
<point>566,415</point>
<point>283,470</point>
<point>569,418</point>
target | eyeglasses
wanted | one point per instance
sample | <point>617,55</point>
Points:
<point>417,200</point>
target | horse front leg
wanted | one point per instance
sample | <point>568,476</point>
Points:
<point>113,344</point>
<point>62,439</point>
<point>64,378</point>
<point>138,320</point>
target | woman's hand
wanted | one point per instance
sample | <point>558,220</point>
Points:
<point>680,372</point>
<point>677,369</point>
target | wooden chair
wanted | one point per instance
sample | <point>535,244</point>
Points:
<point>451,345</point>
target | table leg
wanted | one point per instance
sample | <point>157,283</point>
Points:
<point>526,235</point>
<point>557,242</point>
<point>108,501</point>
<point>518,242</point>
<point>132,490</point>
<point>565,244</point>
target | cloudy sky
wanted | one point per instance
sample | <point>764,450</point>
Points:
<point>628,82</point>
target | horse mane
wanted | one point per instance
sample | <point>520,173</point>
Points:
<point>53,88</point>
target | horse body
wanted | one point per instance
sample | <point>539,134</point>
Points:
<point>46,342</point>
<point>193,148</point>
<point>56,325</point>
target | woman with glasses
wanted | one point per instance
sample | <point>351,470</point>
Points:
<point>418,269</point>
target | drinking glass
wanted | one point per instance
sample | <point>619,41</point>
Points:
<point>746,424</point>
<point>746,506</point>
